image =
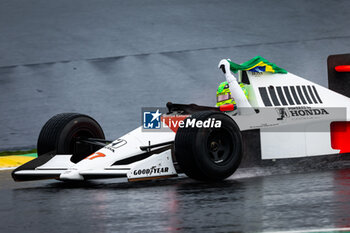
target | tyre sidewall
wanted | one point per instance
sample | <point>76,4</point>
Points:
<point>201,155</point>
<point>81,126</point>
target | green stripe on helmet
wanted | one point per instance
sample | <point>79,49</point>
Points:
<point>223,87</point>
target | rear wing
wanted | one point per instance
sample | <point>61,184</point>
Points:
<point>338,73</point>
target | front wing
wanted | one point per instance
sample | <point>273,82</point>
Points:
<point>52,166</point>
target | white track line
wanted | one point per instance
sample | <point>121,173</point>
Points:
<point>7,168</point>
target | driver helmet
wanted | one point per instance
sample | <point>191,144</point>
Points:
<point>223,95</point>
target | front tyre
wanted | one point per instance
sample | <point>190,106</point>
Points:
<point>61,132</point>
<point>209,154</point>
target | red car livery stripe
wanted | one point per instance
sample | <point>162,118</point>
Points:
<point>340,136</point>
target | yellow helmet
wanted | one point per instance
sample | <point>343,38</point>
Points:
<point>223,95</point>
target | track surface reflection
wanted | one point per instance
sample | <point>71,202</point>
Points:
<point>266,203</point>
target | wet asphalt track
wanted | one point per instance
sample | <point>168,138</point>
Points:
<point>316,200</point>
<point>110,58</point>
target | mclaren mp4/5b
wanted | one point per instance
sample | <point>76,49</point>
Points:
<point>286,117</point>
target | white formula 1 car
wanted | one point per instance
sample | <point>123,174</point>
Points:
<point>291,118</point>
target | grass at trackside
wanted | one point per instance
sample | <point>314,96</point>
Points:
<point>18,152</point>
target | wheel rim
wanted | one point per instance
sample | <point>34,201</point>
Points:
<point>220,146</point>
<point>79,134</point>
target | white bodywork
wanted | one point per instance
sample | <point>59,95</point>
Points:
<point>279,137</point>
<point>311,134</point>
<point>157,165</point>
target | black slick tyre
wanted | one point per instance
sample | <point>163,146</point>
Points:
<point>209,154</point>
<point>61,132</point>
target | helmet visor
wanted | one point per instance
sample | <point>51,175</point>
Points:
<point>223,97</point>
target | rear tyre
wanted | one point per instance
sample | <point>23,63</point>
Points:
<point>209,154</point>
<point>61,132</point>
